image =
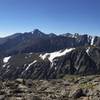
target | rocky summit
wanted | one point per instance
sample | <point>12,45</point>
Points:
<point>68,88</point>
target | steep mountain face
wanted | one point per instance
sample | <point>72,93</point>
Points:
<point>37,41</point>
<point>82,61</point>
<point>37,55</point>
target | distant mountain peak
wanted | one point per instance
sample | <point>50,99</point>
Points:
<point>75,35</point>
<point>52,35</point>
<point>38,33</point>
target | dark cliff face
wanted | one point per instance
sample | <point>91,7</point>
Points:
<point>81,61</point>
<point>97,41</point>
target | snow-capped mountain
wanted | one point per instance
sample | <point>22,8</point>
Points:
<point>38,55</point>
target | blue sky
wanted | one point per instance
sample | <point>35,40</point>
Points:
<point>58,16</point>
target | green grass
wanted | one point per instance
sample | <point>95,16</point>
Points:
<point>86,85</point>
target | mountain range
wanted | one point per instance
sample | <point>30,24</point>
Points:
<point>37,55</point>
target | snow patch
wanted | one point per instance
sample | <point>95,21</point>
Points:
<point>6,59</point>
<point>44,56</point>
<point>53,55</point>
<point>30,65</point>
<point>92,40</point>
<point>4,65</point>
<point>87,51</point>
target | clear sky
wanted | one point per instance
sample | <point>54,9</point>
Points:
<point>58,16</point>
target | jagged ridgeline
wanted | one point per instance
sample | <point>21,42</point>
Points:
<point>37,55</point>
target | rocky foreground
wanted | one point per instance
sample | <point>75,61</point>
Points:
<point>68,88</point>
